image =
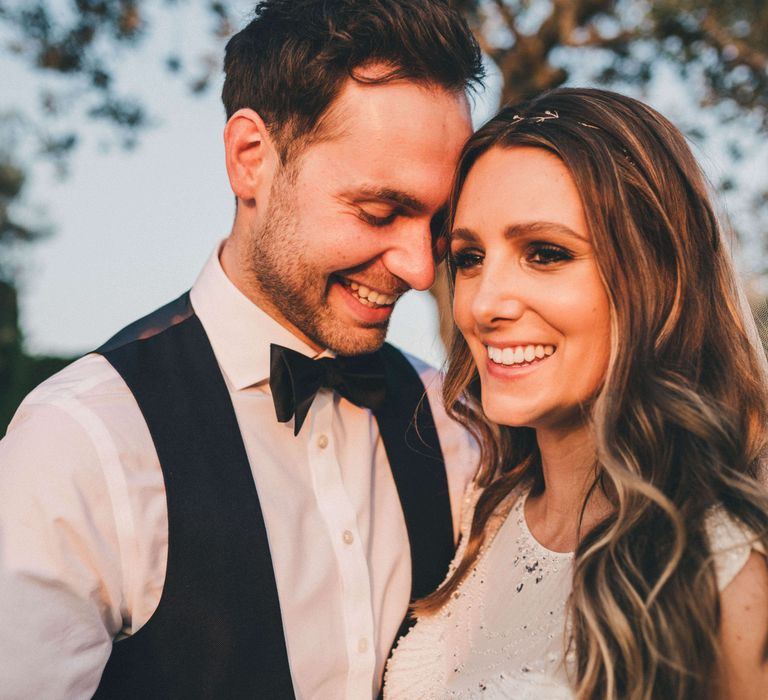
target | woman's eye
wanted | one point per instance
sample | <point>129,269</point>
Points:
<point>547,254</point>
<point>466,259</point>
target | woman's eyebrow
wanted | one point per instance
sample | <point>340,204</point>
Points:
<point>462,234</point>
<point>541,227</point>
<point>528,228</point>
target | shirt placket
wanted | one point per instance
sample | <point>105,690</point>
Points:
<point>340,520</point>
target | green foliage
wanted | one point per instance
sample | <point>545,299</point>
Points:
<point>11,183</point>
<point>83,42</point>
<point>724,43</point>
<point>19,372</point>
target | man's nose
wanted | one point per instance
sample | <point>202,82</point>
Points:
<point>410,257</point>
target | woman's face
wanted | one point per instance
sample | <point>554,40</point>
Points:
<point>529,299</point>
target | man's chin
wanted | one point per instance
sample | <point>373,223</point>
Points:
<point>357,341</point>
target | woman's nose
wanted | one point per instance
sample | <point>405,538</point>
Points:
<point>500,294</point>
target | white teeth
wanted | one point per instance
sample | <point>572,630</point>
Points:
<point>370,297</point>
<point>519,354</point>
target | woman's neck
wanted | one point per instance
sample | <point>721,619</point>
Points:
<point>568,467</point>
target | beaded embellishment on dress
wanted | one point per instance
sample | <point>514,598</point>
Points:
<point>502,635</point>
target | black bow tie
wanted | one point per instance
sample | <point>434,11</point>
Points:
<point>295,379</point>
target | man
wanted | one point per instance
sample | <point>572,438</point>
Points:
<point>210,506</point>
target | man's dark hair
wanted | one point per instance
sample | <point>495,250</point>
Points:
<point>289,63</point>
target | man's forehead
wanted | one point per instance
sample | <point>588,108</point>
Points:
<point>359,104</point>
<point>397,142</point>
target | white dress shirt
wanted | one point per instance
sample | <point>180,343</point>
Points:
<point>83,517</point>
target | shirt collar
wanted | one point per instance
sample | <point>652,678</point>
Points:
<point>240,332</point>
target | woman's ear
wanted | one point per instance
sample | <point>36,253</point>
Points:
<point>251,156</point>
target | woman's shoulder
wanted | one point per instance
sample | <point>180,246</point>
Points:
<point>743,673</point>
<point>731,544</point>
<point>472,495</point>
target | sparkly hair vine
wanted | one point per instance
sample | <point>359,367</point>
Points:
<point>545,116</point>
<point>549,115</point>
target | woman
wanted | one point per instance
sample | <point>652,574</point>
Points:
<point>616,546</point>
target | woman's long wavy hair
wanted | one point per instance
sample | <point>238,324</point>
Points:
<point>679,421</point>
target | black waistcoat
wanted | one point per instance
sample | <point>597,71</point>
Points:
<point>217,633</point>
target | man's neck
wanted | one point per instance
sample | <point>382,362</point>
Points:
<point>231,256</point>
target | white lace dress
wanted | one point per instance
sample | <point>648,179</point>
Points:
<point>502,634</point>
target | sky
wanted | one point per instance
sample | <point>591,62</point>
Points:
<point>132,229</point>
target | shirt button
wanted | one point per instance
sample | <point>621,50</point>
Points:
<point>362,645</point>
<point>348,537</point>
<point>322,442</point>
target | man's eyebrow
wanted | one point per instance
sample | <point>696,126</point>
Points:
<point>518,230</point>
<point>388,194</point>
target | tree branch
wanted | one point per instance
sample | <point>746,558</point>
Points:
<point>718,36</point>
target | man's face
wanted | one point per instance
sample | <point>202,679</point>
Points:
<point>347,229</point>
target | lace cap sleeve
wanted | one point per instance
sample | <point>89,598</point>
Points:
<point>469,504</point>
<point>731,544</point>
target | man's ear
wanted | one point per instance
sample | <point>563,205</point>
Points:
<point>251,156</point>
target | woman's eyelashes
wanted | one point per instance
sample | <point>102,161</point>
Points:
<point>543,254</point>
<point>466,258</point>
<point>538,254</point>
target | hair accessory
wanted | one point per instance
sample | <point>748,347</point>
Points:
<point>628,157</point>
<point>546,116</point>
<point>549,114</point>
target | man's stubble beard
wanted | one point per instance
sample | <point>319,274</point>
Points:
<point>288,282</point>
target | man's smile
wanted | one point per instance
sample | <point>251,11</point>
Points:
<point>368,296</point>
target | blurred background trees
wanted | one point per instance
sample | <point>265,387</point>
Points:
<point>712,55</point>
<point>19,372</point>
